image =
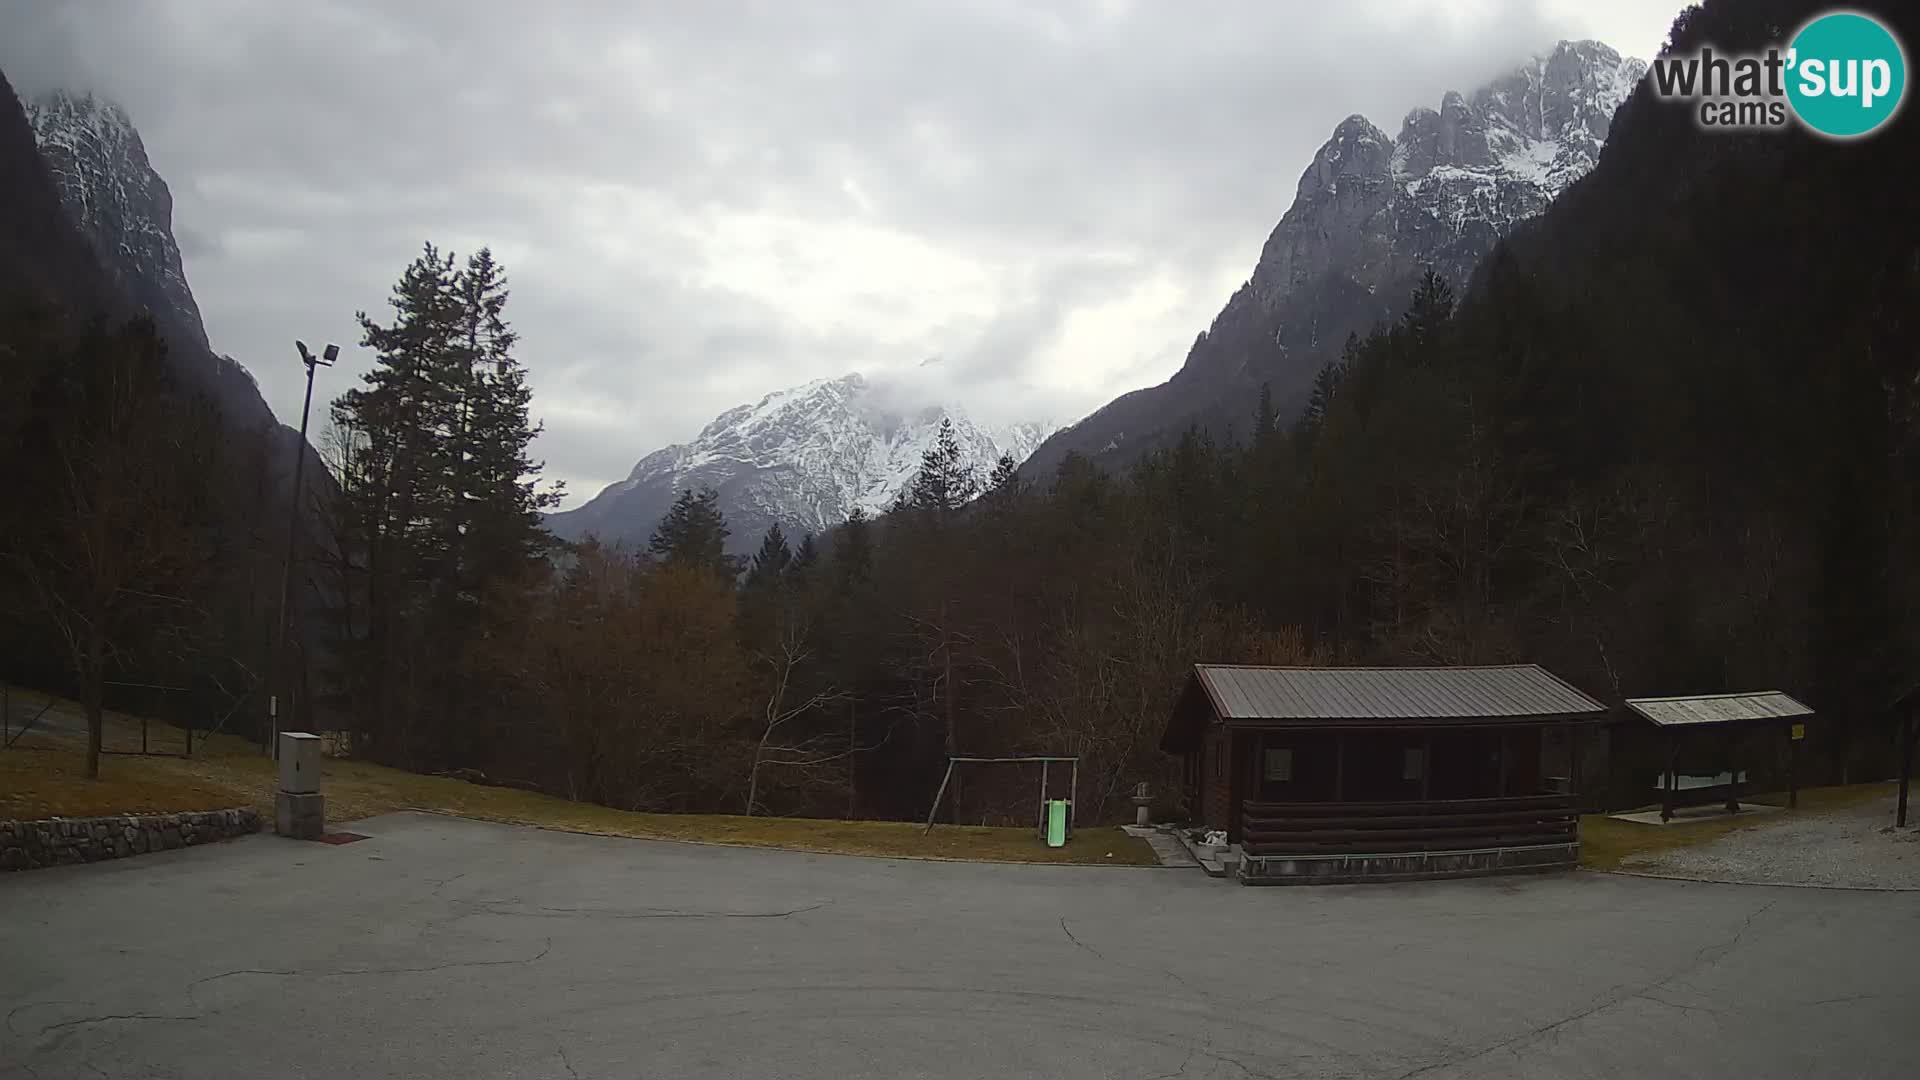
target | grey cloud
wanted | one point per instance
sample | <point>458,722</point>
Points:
<point>1047,159</point>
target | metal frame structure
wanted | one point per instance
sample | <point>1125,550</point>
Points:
<point>8,736</point>
<point>1907,706</point>
<point>1073,783</point>
<point>144,751</point>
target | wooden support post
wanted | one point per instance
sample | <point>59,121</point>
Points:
<point>1073,795</point>
<point>1574,734</point>
<point>935,808</point>
<point>1506,767</point>
<point>1043,800</point>
<point>1733,770</point>
<point>1339,767</point>
<point>1911,730</point>
<point>1793,769</point>
<point>1426,766</point>
<point>1666,797</point>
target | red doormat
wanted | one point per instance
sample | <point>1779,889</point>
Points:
<point>341,837</point>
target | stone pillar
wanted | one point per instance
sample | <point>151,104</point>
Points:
<point>1142,805</point>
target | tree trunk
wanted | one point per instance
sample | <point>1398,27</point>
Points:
<point>92,690</point>
<point>946,688</point>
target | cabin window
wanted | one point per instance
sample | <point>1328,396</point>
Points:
<point>1279,765</point>
<point>1413,763</point>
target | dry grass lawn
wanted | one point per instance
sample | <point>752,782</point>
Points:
<point>43,775</point>
<point>1605,843</point>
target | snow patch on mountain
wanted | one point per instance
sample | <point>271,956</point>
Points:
<point>806,457</point>
<point>121,204</point>
<point>1455,178</point>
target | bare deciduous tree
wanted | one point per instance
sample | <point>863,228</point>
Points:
<point>788,654</point>
<point>121,546</point>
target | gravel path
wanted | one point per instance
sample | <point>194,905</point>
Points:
<point>1856,847</point>
<point>1168,850</point>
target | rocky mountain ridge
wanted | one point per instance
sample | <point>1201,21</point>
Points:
<point>121,205</point>
<point>1370,213</point>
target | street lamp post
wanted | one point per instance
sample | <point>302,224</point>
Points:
<point>275,662</point>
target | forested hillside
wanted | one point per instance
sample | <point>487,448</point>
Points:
<point>1663,441</point>
<point>138,517</point>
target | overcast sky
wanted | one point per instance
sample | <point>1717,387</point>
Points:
<point>701,202</point>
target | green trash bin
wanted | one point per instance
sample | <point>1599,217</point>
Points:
<point>1057,823</point>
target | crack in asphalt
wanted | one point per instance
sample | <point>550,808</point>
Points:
<point>1068,930</point>
<point>1162,972</point>
<point>444,882</point>
<point>23,1006</point>
<point>1238,1064</point>
<point>191,987</point>
<point>1182,1069</point>
<point>541,911</point>
<point>345,972</point>
<point>1702,957</point>
<point>567,1061</point>
<point>1208,1051</point>
<point>84,1020</point>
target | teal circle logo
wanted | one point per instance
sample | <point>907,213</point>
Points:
<point>1846,74</point>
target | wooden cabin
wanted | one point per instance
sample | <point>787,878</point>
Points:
<point>1347,774</point>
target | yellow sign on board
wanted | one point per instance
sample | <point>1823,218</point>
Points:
<point>1799,732</point>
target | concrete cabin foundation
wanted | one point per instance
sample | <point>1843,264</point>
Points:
<point>1405,866</point>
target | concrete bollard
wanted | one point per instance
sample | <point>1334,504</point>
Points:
<point>1142,805</point>
<point>299,810</point>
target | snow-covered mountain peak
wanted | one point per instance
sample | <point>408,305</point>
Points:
<point>806,457</point>
<point>64,116</point>
<point>1454,179</point>
<point>1370,214</point>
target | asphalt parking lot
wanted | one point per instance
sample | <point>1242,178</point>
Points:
<point>442,947</point>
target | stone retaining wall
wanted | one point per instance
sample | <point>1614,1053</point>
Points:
<point>28,845</point>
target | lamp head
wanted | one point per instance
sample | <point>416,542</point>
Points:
<point>304,354</point>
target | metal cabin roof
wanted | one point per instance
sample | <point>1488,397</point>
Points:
<point>1718,708</point>
<point>1514,691</point>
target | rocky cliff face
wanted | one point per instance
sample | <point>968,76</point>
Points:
<point>1370,213</point>
<point>805,457</point>
<point>42,254</point>
<point>118,201</point>
<point>112,194</point>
